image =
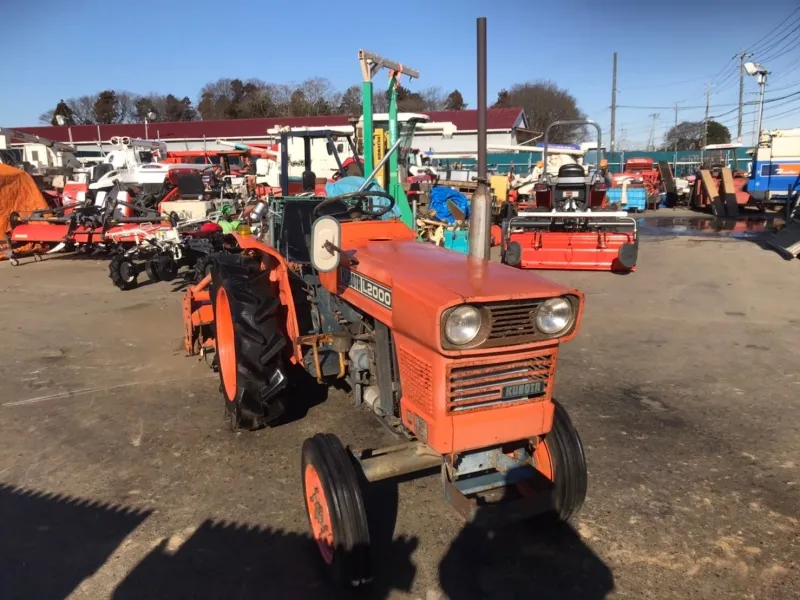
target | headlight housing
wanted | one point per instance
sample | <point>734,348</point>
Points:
<point>554,316</point>
<point>462,325</point>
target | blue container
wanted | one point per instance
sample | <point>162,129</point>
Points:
<point>457,240</point>
<point>636,196</point>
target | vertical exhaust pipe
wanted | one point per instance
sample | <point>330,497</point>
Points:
<point>481,206</point>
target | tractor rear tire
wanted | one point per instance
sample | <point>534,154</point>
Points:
<point>336,511</point>
<point>123,272</point>
<point>202,267</point>
<point>249,342</point>
<point>560,458</point>
<point>167,268</point>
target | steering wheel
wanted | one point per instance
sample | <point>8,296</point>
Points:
<point>358,206</point>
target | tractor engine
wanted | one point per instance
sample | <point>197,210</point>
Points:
<point>373,374</point>
<point>368,349</point>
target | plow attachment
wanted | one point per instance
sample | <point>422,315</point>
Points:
<point>584,241</point>
<point>198,319</point>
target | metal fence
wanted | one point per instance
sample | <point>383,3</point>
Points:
<point>688,161</point>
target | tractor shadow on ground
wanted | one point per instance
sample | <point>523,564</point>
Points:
<point>537,559</point>
<point>305,393</point>
<point>231,560</point>
<point>50,543</point>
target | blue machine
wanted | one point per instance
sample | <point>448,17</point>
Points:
<point>776,167</point>
<point>636,198</point>
<point>457,240</point>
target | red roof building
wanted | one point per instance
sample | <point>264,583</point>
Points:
<point>498,120</point>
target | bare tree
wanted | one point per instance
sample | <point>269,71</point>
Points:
<point>215,99</point>
<point>319,96</point>
<point>83,109</point>
<point>433,98</point>
<point>544,102</point>
<point>126,107</point>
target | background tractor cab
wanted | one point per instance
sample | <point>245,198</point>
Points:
<point>135,163</point>
<point>571,189</point>
<point>570,227</point>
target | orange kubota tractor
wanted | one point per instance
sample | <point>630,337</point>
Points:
<point>456,354</point>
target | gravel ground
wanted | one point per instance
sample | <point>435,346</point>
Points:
<point>118,478</point>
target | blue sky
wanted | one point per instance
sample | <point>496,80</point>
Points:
<point>667,52</point>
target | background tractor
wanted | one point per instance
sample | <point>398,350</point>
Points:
<point>571,225</point>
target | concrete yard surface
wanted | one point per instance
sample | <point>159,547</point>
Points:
<point>119,479</point>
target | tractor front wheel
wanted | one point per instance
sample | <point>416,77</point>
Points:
<point>559,457</point>
<point>335,506</point>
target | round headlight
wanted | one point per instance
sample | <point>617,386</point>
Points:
<point>462,325</point>
<point>554,316</point>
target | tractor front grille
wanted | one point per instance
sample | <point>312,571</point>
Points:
<point>416,379</point>
<point>477,385</point>
<point>512,322</point>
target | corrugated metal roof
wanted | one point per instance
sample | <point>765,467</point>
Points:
<point>497,118</point>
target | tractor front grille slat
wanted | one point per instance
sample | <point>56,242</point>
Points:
<point>416,379</point>
<point>511,320</point>
<point>480,385</point>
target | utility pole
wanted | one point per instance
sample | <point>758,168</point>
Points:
<point>675,160</point>
<point>651,141</point>
<point>762,83</point>
<point>742,55</point>
<point>705,122</point>
<point>614,106</point>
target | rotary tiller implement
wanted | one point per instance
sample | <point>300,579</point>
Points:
<point>86,225</point>
<point>571,227</point>
<point>116,215</point>
<point>161,251</point>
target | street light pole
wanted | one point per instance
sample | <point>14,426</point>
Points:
<point>149,115</point>
<point>758,70</point>
<point>762,81</point>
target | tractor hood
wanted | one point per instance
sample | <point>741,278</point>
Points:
<point>443,277</point>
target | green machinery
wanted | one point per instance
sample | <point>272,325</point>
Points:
<point>371,64</point>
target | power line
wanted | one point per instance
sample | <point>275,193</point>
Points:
<point>661,85</point>
<point>773,30</point>
<point>783,114</point>
<point>791,85</point>
<point>779,37</point>
<point>786,48</point>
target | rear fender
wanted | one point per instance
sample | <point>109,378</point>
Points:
<point>272,261</point>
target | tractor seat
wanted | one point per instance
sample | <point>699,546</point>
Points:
<point>571,173</point>
<point>309,181</point>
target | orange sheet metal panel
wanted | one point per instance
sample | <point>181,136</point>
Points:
<point>427,406</point>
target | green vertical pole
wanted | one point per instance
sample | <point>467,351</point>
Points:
<point>368,129</point>
<point>395,185</point>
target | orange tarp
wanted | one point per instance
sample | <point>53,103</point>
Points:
<point>18,193</point>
